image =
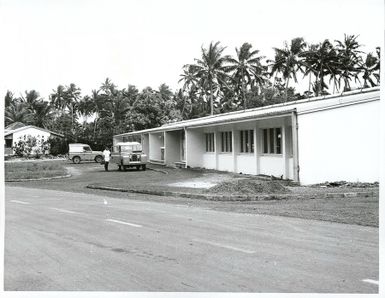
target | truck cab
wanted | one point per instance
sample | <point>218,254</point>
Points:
<point>127,155</point>
<point>83,152</point>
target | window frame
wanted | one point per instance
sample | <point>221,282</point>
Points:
<point>272,141</point>
<point>210,142</point>
<point>246,140</point>
<point>226,141</point>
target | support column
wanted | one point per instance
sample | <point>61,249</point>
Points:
<point>284,151</point>
<point>256,149</point>
<point>233,145</point>
<point>217,136</point>
<point>294,124</point>
<point>165,147</point>
<point>185,148</point>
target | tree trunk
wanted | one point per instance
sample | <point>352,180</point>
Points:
<point>274,81</point>
<point>211,99</point>
<point>244,95</point>
<point>286,87</point>
<point>317,84</point>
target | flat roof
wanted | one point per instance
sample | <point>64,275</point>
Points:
<point>299,106</point>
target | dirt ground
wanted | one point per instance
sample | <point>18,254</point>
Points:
<point>310,202</point>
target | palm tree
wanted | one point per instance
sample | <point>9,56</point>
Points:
<point>57,98</point>
<point>288,60</point>
<point>42,114</point>
<point>209,70</point>
<point>188,78</point>
<point>108,87</point>
<point>350,61</point>
<point>95,106</point>
<point>86,107</point>
<point>40,111</point>
<point>190,85</point>
<point>378,65</point>
<point>71,99</point>
<point>321,60</point>
<point>247,69</point>
<point>17,112</point>
<point>369,68</point>
<point>8,98</point>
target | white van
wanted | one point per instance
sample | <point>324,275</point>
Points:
<point>83,152</point>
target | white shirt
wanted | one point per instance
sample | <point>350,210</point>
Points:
<point>106,154</point>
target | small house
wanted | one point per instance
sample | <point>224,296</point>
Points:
<point>19,131</point>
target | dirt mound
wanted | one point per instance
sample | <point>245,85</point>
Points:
<point>248,186</point>
<point>347,184</point>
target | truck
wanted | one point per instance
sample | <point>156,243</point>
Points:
<point>128,155</point>
<point>82,152</point>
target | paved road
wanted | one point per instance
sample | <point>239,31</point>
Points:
<point>56,240</point>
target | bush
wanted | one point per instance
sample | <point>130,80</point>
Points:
<point>58,146</point>
<point>31,145</point>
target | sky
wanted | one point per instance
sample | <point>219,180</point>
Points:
<point>146,42</point>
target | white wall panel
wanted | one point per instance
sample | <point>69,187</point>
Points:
<point>340,144</point>
<point>271,165</point>
<point>246,164</point>
<point>225,162</point>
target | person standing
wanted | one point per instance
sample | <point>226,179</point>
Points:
<point>106,154</point>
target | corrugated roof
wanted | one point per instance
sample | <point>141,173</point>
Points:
<point>8,132</point>
<point>14,126</point>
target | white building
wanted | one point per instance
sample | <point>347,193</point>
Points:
<point>327,138</point>
<point>18,131</point>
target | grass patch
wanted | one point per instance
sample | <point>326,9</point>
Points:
<point>33,170</point>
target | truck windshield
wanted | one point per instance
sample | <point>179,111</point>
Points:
<point>131,148</point>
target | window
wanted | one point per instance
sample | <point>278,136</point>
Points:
<point>272,141</point>
<point>210,142</point>
<point>226,141</point>
<point>8,143</point>
<point>247,141</point>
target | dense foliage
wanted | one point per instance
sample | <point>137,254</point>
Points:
<point>213,83</point>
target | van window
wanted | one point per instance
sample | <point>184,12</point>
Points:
<point>86,148</point>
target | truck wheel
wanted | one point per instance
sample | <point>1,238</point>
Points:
<point>143,167</point>
<point>98,159</point>
<point>76,159</point>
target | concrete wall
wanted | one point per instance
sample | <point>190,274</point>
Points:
<point>271,165</point>
<point>225,162</point>
<point>209,160</point>
<point>172,147</point>
<point>340,144</point>
<point>290,168</point>
<point>156,141</point>
<point>249,163</point>
<point>195,147</point>
<point>246,163</point>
